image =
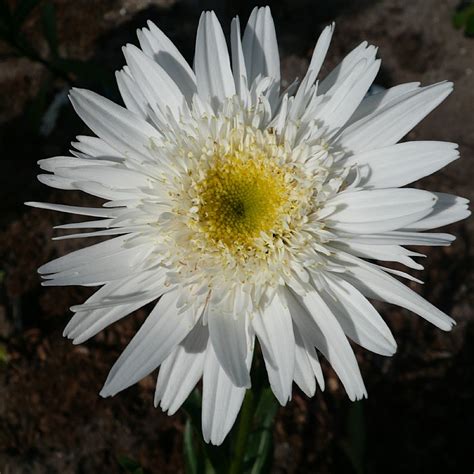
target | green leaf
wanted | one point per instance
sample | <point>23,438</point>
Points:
<point>259,453</point>
<point>48,17</point>
<point>3,355</point>
<point>464,18</point>
<point>470,25</point>
<point>354,444</point>
<point>190,451</point>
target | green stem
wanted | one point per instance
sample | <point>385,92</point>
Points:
<point>245,423</point>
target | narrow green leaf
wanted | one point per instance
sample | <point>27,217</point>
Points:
<point>470,25</point>
<point>190,451</point>
<point>48,17</point>
<point>459,18</point>
<point>354,444</point>
<point>3,355</point>
<point>259,454</point>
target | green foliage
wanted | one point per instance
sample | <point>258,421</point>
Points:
<point>463,18</point>
<point>354,443</point>
<point>3,355</point>
<point>260,444</point>
<point>248,448</point>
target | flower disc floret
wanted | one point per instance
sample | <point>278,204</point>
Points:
<point>242,196</point>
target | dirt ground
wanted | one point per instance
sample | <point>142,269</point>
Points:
<point>419,414</point>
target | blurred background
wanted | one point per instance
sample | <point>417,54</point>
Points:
<point>419,416</point>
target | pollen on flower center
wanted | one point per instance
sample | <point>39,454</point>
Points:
<point>243,194</point>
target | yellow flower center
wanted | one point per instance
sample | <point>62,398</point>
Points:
<point>242,196</point>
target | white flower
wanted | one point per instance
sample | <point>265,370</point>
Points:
<point>248,211</point>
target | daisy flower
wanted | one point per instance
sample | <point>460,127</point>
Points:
<point>244,212</point>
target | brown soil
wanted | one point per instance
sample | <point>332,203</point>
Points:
<point>418,417</point>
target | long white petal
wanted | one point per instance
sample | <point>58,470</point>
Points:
<point>81,211</point>
<point>378,210</point>
<point>404,238</point>
<point>303,373</point>
<point>221,399</point>
<point>341,71</point>
<point>211,60</point>
<point>132,96</point>
<point>375,283</point>
<point>84,256</point>
<point>182,370</point>
<point>108,267</point>
<point>123,130</point>
<point>401,164</point>
<point>229,339</point>
<point>238,62</point>
<point>393,122</point>
<point>260,46</point>
<point>347,96</point>
<point>112,302</point>
<point>388,252</point>
<point>274,329</point>
<point>448,209</point>
<point>316,321</point>
<point>374,102</point>
<point>319,53</point>
<point>163,329</point>
<point>358,318</point>
<point>159,47</point>
<point>159,89</point>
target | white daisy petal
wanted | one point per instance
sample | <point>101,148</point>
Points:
<point>345,98</point>
<point>307,366</point>
<point>448,209</point>
<point>123,130</point>
<point>159,47</point>
<point>159,89</point>
<point>229,339</point>
<point>415,160</point>
<point>388,252</point>
<point>211,61</point>
<point>319,54</point>
<point>371,104</point>
<point>238,62</point>
<point>274,330</point>
<point>358,318</point>
<point>395,120</point>
<point>112,302</point>
<point>341,71</point>
<point>404,238</point>
<point>131,94</point>
<point>316,321</point>
<point>260,46</point>
<point>375,283</point>
<point>303,374</point>
<point>379,210</point>
<point>161,332</point>
<point>95,147</point>
<point>182,370</point>
<point>221,400</point>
